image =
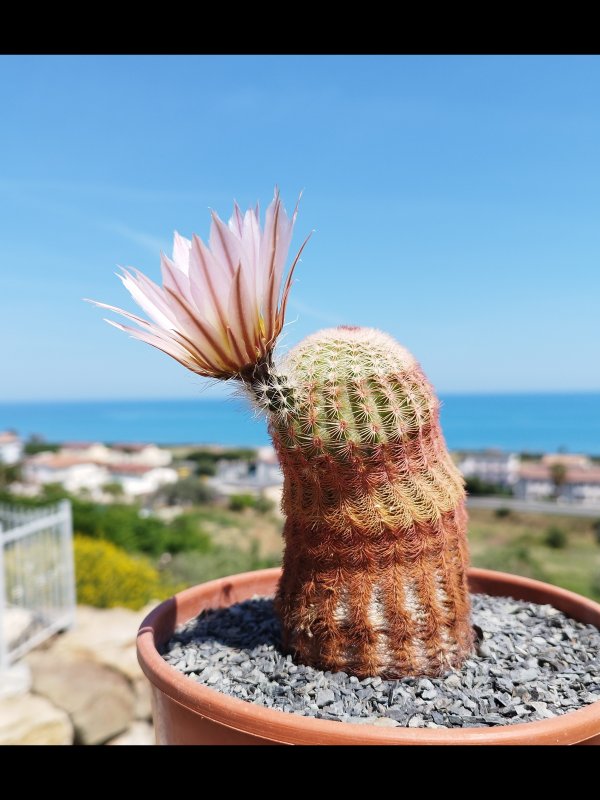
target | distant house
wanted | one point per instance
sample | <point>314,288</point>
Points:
<point>147,454</point>
<point>73,473</point>
<point>140,479</point>
<point>491,466</point>
<point>120,453</point>
<point>580,483</point>
<point>11,448</point>
<point>233,477</point>
<point>86,451</point>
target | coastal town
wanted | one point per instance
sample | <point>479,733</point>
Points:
<point>130,471</point>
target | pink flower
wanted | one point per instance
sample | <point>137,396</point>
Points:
<point>220,308</point>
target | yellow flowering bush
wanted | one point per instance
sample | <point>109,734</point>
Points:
<point>107,576</point>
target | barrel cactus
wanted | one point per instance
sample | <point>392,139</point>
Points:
<point>374,571</point>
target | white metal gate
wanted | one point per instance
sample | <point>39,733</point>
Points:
<point>37,580</point>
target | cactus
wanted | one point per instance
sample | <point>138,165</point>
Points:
<point>374,569</point>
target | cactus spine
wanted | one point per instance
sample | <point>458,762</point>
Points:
<point>374,570</point>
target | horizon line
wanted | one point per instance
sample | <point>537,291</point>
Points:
<point>232,396</point>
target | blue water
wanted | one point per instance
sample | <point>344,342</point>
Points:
<point>533,422</point>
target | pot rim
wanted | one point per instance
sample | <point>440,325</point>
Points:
<point>286,727</point>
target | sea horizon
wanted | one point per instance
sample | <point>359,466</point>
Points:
<point>518,421</point>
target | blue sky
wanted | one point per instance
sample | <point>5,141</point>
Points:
<point>456,205</point>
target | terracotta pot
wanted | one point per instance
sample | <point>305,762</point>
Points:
<point>186,712</point>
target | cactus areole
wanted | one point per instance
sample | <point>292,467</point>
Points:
<point>374,570</point>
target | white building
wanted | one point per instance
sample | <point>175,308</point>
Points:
<point>86,451</point>
<point>74,474</point>
<point>139,479</point>
<point>120,453</point>
<point>491,466</point>
<point>580,483</point>
<point>11,448</point>
<point>234,477</point>
<point>147,454</point>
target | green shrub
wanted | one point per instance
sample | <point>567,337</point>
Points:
<point>238,502</point>
<point>476,486</point>
<point>205,466</point>
<point>502,512</point>
<point>9,473</point>
<point>206,459</point>
<point>596,529</point>
<point>185,534</point>
<point>192,568</point>
<point>263,504</point>
<point>32,447</point>
<point>122,525</point>
<point>107,576</point>
<point>556,538</point>
<point>113,488</point>
<point>188,491</point>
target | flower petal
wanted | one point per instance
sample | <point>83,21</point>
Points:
<point>181,252</point>
<point>224,244</point>
<point>171,348</point>
<point>148,299</point>
<point>203,334</point>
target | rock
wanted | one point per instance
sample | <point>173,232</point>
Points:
<point>324,697</point>
<point>138,733</point>
<point>104,635</point>
<point>523,675</point>
<point>27,719</point>
<point>99,700</point>
<point>453,681</point>
<point>386,722</point>
<point>15,680</point>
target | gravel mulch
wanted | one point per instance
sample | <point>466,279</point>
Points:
<point>532,663</point>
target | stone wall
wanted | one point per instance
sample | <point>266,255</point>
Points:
<point>82,687</point>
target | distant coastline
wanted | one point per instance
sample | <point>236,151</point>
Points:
<point>524,422</point>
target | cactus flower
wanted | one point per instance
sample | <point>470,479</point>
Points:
<point>220,308</point>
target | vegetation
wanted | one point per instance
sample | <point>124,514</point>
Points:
<point>205,459</point>
<point>239,502</point>
<point>502,512</point>
<point>186,492</point>
<point>107,576</point>
<point>596,528</point>
<point>9,473</point>
<point>123,524</point>
<point>35,445</point>
<point>517,543</point>
<point>558,473</point>
<point>193,568</point>
<point>555,537</point>
<point>113,488</point>
<point>476,486</point>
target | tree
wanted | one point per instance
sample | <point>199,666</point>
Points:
<point>558,473</point>
<point>9,473</point>
<point>113,488</point>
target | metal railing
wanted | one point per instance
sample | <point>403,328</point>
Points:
<point>37,580</point>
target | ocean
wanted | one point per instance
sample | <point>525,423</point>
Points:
<point>521,422</point>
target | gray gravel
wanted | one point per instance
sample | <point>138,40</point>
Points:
<point>532,663</point>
